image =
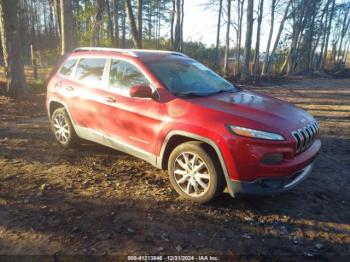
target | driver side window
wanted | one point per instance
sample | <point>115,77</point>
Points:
<point>123,75</point>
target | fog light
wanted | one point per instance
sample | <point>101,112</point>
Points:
<point>272,159</point>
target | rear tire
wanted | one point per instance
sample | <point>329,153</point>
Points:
<point>194,174</point>
<point>62,128</point>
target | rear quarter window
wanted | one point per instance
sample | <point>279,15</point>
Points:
<point>90,70</point>
<point>68,67</point>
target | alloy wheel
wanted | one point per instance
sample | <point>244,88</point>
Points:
<point>61,129</point>
<point>191,174</point>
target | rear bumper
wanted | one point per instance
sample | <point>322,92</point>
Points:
<point>269,186</point>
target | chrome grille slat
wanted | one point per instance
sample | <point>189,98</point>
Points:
<point>305,136</point>
<point>301,131</point>
<point>297,139</point>
<point>311,133</point>
<point>308,136</point>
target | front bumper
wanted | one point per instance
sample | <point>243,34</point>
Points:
<point>269,186</point>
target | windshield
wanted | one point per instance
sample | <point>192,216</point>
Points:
<point>189,77</point>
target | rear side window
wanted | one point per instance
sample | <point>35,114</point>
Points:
<point>124,75</point>
<point>90,70</point>
<point>68,67</point>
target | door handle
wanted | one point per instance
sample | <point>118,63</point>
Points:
<point>110,99</point>
<point>69,88</point>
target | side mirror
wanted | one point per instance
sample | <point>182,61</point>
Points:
<point>141,91</point>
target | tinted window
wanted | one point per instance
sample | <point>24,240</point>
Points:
<point>124,75</point>
<point>90,70</point>
<point>68,67</point>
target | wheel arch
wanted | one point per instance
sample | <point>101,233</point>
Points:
<point>55,104</point>
<point>175,138</point>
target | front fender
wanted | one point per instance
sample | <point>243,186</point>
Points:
<point>211,138</point>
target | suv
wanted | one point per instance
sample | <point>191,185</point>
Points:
<point>177,114</point>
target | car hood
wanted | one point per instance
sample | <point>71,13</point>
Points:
<point>256,109</point>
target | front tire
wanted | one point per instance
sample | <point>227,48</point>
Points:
<point>62,128</point>
<point>194,174</point>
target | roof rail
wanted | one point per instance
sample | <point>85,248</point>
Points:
<point>132,52</point>
<point>106,49</point>
<point>159,51</point>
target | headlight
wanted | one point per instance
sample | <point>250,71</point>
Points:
<point>247,132</point>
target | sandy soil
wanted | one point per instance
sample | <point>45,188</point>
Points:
<point>96,201</point>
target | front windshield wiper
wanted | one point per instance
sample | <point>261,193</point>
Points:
<point>189,94</point>
<point>225,90</point>
<point>196,94</point>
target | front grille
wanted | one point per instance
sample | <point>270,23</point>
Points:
<point>305,136</point>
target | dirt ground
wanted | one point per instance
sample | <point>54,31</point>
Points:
<point>96,201</point>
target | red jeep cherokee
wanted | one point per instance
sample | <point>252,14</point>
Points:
<point>177,114</point>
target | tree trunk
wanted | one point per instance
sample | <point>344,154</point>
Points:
<point>218,34</point>
<point>177,41</point>
<point>56,4</point>
<point>267,52</point>
<point>309,39</point>
<point>158,23</point>
<point>280,29</point>
<point>334,51</point>
<point>300,19</point>
<point>294,50</point>
<point>52,27</point>
<point>123,27</point>
<point>67,27</point>
<point>132,24</point>
<point>344,30</point>
<point>240,4</point>
<point>227,47</point>
<point>248,39</point>
<point>10,40</point>
<point>324,34</point>
<point>182,25</point>
<point>347,52</point>
<point>324,58</point>
<point>139,20</point>
<point>95,37</point>
<point>172,24</point>
<point>313,64</point>
<point>110,23</point>
<point>149,17</point>
<point>257,43</point>
<point>116,21</point>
